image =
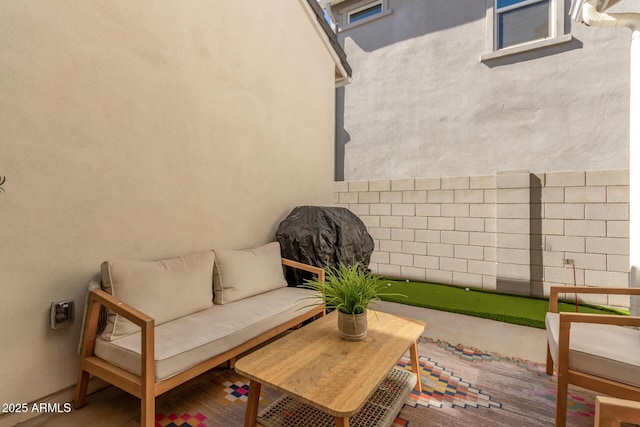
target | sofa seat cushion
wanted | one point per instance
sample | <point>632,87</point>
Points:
<point>243,273</point>
<point>606,351</point>
<point>165,289</point>
<point>188,341</point>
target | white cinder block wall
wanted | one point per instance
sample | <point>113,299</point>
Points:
<point>508,232</point>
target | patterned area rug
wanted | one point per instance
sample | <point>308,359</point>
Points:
<point>461,387</point>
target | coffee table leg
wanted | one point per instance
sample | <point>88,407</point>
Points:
<point>342,421</point>
<point>416,366</point>
<point>251,416</point>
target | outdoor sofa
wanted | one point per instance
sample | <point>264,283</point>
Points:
<point>170,320</point>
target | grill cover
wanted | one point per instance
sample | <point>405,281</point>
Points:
<point>323,237</point>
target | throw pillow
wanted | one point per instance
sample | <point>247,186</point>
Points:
<point>240,274</point>
<point>164,289</point>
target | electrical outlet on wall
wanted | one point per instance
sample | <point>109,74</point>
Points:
<point>63,314</point>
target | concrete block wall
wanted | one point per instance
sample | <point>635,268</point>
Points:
<point>509,232</point>
<point>582,216</point>
<point>513,232</point>
<point>434,229</point>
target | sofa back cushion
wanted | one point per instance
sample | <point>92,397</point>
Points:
<point>239,274</point>
<point>164,289</point>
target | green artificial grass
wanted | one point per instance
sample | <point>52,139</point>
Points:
<point>489,305</point>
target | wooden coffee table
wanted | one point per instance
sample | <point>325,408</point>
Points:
<point>313,365</point>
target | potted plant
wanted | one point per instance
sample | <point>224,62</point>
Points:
<point>349,289</point>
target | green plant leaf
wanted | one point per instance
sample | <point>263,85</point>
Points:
<point>349,288</point>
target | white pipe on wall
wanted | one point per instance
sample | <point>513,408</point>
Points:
<point>592,17</point>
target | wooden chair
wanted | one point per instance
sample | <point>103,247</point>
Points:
<point>612,412</point>
<point>592,351</point>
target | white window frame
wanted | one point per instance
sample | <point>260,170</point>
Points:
<point>364,7</point>
<point>556,30</point>
<point>525,3</point>
<point>346,12</point>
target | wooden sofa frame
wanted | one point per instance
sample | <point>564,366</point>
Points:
<point>144,386</point>
<point>612,412</point>
<point>568,376</point>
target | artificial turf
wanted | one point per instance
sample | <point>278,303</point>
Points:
<point>489,305</point>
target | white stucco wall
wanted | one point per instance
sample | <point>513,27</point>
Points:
<point>422,104</point>
<point>145,130</point>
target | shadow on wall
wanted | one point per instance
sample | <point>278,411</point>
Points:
<point>534,54</point>
<point>414,18</point>
<point>342,137</point>
<point>534,285</point>
<point>410,19</point>
<point>535,236</point>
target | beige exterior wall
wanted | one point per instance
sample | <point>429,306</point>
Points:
<point>145,130</point>
<point>508,232</point>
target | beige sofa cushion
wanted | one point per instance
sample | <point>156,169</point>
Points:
<point>239,274</point>
<point>189,341</point>
<point>164,290</point>
<point>606,351</point>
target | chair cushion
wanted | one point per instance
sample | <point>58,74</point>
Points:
<point>240,274</point>
<point>165,289</point>
<point>607,351</point>
<point>188,341</point>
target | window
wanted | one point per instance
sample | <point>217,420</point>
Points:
<point>516,26</point>
<point>364,12</point>
<point>520,21</point>
<point>355,13</point>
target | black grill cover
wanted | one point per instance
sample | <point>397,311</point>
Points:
<point>323,237</point>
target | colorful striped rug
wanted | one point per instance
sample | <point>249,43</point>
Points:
<point>461,387</point>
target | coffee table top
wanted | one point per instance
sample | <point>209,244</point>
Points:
<point>315,366</point>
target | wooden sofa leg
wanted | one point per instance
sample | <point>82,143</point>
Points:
<point>549,361</point>
<point>148,411</point>
<point>562,390</point>
<point>81,389</point>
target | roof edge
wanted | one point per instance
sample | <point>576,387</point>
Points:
<point>316,15</point>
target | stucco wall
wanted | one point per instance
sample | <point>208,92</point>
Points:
<point>145,130</point>
<point>422,104</point>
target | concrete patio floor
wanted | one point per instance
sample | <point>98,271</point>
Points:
<point>505,339</point>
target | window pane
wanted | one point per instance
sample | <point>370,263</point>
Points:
<point>503,3</point>
<point>523,24</point>
<point>365,13</point>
